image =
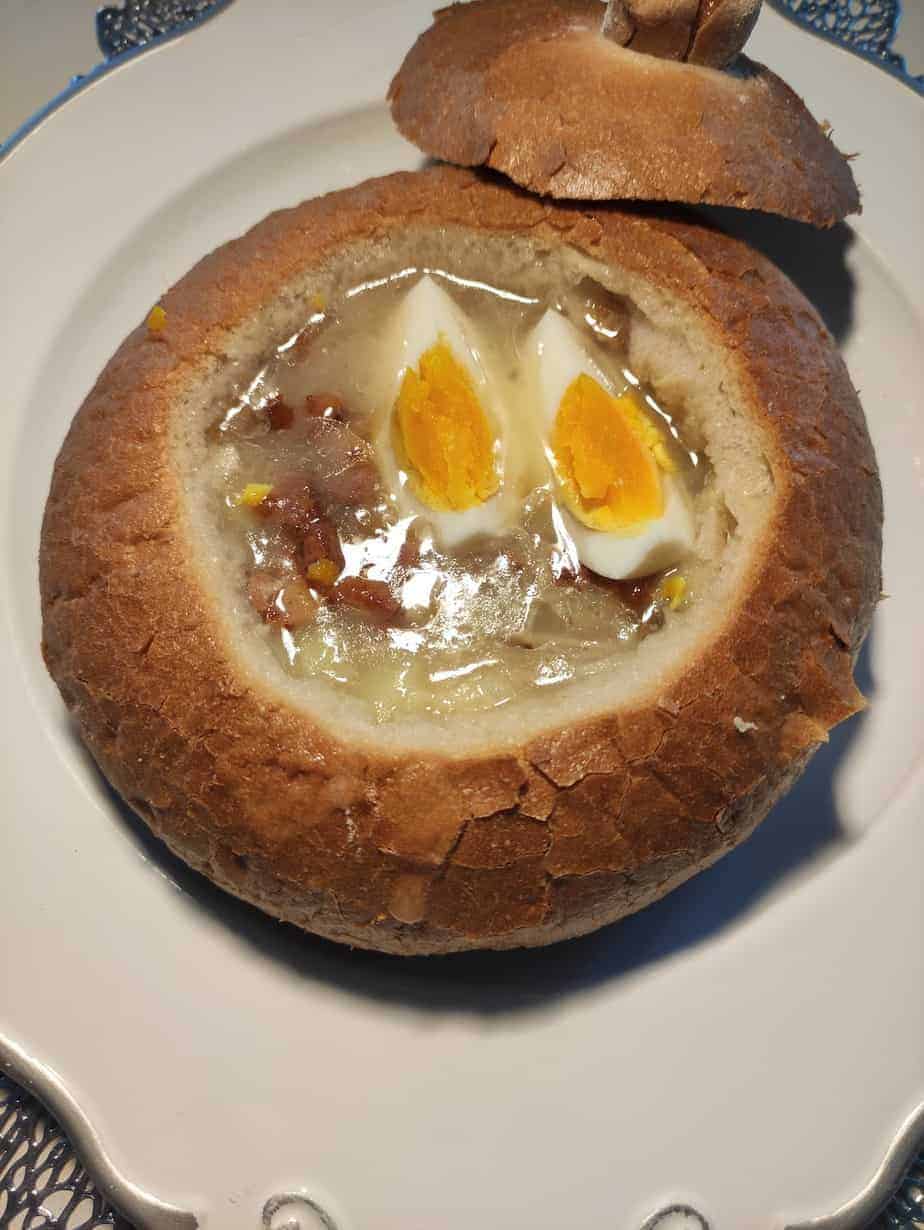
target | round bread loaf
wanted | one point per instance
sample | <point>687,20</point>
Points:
<point>539,820</point>
<point>532,88</point>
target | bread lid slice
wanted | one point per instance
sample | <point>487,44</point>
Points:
<point>534,89</point>
<point>528,823</point>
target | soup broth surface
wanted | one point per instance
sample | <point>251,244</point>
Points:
<point>352,577</point>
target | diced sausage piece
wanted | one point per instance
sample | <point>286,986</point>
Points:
<point>565,569</point>
<point>325,406</point>
<point>374,597</point>
<point>640,595</point>
<point>278,599</point>
<point>262,588</point>
<point>280,414</point>
<point>321,542</point>
<point>289,503</point>
<point>359,486</point>
<point>409,555</point>
<point>341,463</point>
<point>296,604</point>
<point>606,313</point>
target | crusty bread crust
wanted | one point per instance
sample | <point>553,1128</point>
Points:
<point>722,29</point>
<point>533,89</point>
<point>418,851</point>
<point>708,32</point>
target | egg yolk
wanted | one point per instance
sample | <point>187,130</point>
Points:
<point>443,433</point>
<point>607,455</point>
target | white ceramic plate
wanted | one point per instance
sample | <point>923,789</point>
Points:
<point>752,1046</point>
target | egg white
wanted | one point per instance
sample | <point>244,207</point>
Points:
<point>559,356</point>
<point>426,314</point>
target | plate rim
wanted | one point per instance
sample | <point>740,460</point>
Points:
<point>109,64</point>
<point>41,1079</point>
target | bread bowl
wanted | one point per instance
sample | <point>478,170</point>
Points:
<point>562,808</point>
<point>533,88</point>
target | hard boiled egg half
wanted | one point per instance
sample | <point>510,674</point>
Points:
<point>443,448</point>
<point>621,499</point>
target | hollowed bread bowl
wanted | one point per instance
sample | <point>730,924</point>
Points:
<point>539,820</point>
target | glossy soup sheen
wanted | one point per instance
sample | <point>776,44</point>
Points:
<point>353,587</point>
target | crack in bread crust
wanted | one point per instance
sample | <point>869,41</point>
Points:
<point>577,826</point>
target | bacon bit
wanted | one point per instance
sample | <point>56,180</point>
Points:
<point>640,595</point>
<point>280,414</point>
<point>343,467</point>
<point>262,588</point>
<point>374,597</point>
<point>606,313</point>
<point>321,542</point>
<point>564,570</point>
<point>281,600</point>
<point>322,573</point>
<point>289,504</point>
<point>297,604</point>
<point>325,406</point>
<point>409,555</point>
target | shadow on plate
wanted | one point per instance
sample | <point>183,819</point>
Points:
<point>814,259</point>
<point>801,833</point>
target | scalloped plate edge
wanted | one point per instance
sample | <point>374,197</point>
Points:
<point>147,1212</point>
<point>859,1212</point>
<point>895,67</point>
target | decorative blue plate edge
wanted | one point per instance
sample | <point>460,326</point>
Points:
<point>111,62</point>
<point>140,1207</point>
<point>891,62</point>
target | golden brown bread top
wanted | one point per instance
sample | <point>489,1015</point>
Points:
<point>423,852</point>
<point>533,89</point>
